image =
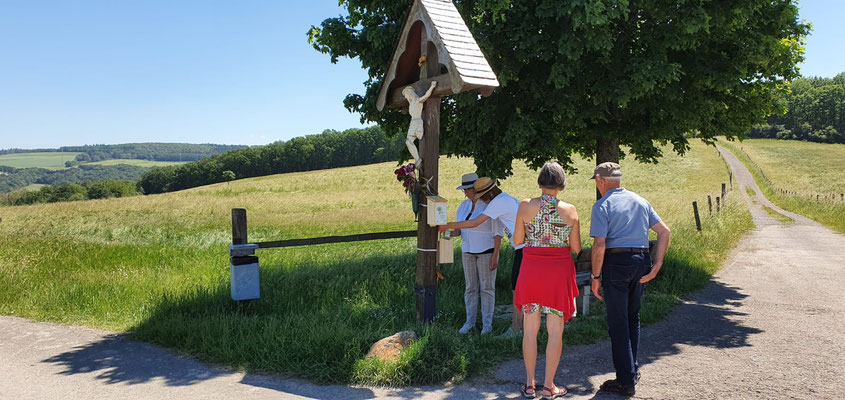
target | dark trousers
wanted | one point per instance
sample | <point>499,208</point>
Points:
<point>620,279</point>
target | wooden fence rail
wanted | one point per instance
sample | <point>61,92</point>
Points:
<point>337,239</point>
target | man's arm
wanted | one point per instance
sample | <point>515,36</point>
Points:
<point>663,235</point>
<point>597,258</point>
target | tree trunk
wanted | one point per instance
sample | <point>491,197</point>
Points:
<point>606,150</point>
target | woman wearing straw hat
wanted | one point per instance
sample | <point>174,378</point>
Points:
<point>501,209</point>
<point>477,247</point>
<point>550,231</point>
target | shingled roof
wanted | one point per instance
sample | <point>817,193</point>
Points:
<point>456,49</point>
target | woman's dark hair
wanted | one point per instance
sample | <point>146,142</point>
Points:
<point>552,176</point>
<point>491,194</point>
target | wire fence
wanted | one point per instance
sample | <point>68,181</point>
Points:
<point>788,192</point>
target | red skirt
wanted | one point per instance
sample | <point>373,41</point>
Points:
<point>547,278</point>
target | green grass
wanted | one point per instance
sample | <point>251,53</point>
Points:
<point>139,163</point>
<point>48,160</point>
<point>778,216</point>
<point>751,193</point>
<point>157,267</point>
<point>792,174</point>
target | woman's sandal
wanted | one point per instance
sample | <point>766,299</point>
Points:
<point>555,392</point>
<point>529,392</point>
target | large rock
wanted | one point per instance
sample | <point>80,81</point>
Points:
<point>389,348</point>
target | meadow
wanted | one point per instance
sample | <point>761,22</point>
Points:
<point>46,160</point>
<point>157,267</point>
<point>803,177</point>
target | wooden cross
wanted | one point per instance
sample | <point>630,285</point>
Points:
<point>434,36</point>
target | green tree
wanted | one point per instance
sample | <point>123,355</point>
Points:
<point>228,176</point>
<point>157,180</point>
<point>587,76</point>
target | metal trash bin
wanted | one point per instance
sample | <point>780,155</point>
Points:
<point>243,272</point>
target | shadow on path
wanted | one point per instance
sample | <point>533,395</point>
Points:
<point>121,360</point>
<point>709,319</point>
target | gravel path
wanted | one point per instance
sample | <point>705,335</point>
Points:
<point>771,324</point>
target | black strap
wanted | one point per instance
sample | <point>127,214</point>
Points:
<point>488,251</point>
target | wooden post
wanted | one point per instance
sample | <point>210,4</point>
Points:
<point>731,178</point>
<point>723,190</point>
<point>718,207</point>
<point>841,196</point>
<point>817,197</point>
<point>695,211</point>
<point>239,226</point>
<point>425,284</point>
<point>710,204</point>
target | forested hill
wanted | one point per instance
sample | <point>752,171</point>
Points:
<point>815,112</point>
<point>331,149</point>
<point>139,151</point>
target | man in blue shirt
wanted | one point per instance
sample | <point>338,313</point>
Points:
<point>622,265</point>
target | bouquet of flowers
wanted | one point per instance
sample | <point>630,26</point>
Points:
<point>407,174</point>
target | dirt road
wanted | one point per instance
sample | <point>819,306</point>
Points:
<point>771,324</point>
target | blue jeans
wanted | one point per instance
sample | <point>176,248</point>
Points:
<point>620,279</point>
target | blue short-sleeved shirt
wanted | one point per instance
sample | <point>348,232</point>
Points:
<point>623,218</point>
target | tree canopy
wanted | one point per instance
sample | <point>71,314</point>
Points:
<point>815,112</point>
<point>583,77</point>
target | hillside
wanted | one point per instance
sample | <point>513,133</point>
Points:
<point>20,168</point>
<point>156,266</point>
<point>136,151</point>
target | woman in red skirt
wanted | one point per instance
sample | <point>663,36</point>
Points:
<point>546,285</point>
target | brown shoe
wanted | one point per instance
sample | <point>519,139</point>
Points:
<point>614,386</point>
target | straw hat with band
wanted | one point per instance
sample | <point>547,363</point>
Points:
<point>467,181</point>
<point>483,185</point>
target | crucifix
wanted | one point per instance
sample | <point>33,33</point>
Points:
<point>436,56</point>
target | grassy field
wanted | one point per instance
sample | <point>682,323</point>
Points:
<point>49,160</point>
<point>794,174</point>
<point>157,267</point>
<point>139,163</point>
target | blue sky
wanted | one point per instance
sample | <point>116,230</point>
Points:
<point>78,72</point>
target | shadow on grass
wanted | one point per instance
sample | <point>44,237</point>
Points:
<point>320,310</point>
<point>121,360</point>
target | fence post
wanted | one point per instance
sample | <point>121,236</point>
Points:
<point>817,197</point>
<point>710,204</point>
<point>239,226</point>
<point>695,211</point>
<point>841,196</point>
<point>718,207</point>
<point>731,178</point>
<point>723,190</point>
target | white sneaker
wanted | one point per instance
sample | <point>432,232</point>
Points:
<point>465,329</point>
<point>487,329</point>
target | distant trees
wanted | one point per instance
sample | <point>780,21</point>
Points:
<point>72,192</point>
<point>16,178</point>
<point>331,149</point>
<point>138,151</point>
<point>815,112</point>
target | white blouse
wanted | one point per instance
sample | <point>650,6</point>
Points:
<point>480,238</point>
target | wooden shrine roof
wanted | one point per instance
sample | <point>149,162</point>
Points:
<point>442,25</point>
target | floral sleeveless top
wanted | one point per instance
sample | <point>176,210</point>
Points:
<point>547,229</point>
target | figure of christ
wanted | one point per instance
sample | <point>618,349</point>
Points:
<point>415,130</point>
